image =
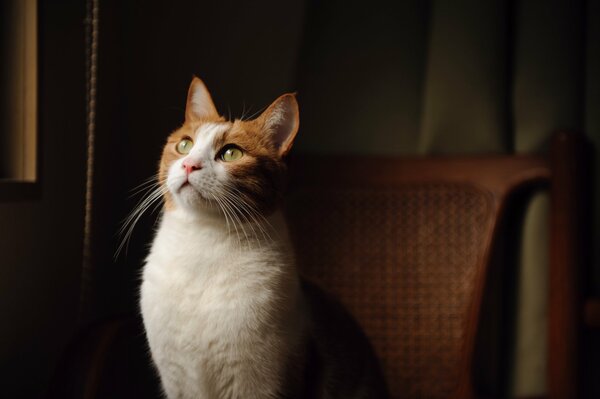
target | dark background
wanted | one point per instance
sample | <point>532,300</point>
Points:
<point>377,77</point>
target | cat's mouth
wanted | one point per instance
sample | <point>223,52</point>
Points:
<point>186,185</point>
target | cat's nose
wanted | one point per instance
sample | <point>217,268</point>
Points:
<point>191,165</point>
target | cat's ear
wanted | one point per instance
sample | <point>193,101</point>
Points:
<point>199,103</point>
<point>281,120</point>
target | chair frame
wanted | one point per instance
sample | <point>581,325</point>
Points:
<point>564,171</point>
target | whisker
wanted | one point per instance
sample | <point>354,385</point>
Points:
<point>234,217</point>
<point>250,206</point>
<point>251,213</point>
<point>243,110</point>
<point>127,228</point>
<point>236,206</point>
<point>260,110</point>
<point>244,206</point>
<point>155,190</point>
<point>233,210</point>
<point>150,179</point>
<point>141,203</point>
<point>227,216</point>
<point>146,186</point>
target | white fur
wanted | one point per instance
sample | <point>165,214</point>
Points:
<point>208,179</point>
<point>222,320</point>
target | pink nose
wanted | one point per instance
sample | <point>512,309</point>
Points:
<point>190,165</point>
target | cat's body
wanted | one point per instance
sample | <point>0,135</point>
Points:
<point>225,313</point>
<point>219,326</point>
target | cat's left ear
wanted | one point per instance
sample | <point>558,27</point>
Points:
<point>199,102</point>
<point>281,120</point>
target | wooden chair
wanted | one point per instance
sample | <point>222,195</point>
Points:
<point>406,244</point>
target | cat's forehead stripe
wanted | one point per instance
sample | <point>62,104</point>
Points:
<point>207,134</point>
<point>207,131</point>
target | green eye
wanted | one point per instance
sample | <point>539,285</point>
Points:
<point>184,146</point>
<point>231,154</point>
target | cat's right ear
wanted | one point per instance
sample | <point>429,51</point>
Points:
<point>199,102</point>
<point>281,120</point>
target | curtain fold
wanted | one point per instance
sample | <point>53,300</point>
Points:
<point>465,102</point>
<point>360,76</point>
<point>547,95</point>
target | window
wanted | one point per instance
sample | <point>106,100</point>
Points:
<point>18,93</point>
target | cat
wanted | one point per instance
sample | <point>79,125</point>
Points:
<point>225,312</point>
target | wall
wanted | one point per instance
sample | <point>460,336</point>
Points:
<point>41,238</point>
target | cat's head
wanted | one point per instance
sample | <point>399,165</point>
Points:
<point>211,163</point>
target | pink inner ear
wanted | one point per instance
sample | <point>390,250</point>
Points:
<point>283,122</point>
<point>199,102</point>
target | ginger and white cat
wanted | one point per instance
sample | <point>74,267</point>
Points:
<point>225,312</point>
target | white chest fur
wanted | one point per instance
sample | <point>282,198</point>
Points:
<point>221,320</point>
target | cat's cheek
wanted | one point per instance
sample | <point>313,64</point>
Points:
<point>221,172</point>
<point>175,176</point>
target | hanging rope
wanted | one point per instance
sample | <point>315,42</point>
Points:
<point>91,79</point>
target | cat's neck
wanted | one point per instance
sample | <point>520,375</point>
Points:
<point>245,228</point>
<point>181,231</point>
<point>204,244</point>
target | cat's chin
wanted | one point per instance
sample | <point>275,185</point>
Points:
<point>192,200</point>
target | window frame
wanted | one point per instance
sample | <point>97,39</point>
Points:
<point>27,186</point>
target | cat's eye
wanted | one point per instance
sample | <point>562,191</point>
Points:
<point>231,153</point>
<point>184,146</point>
